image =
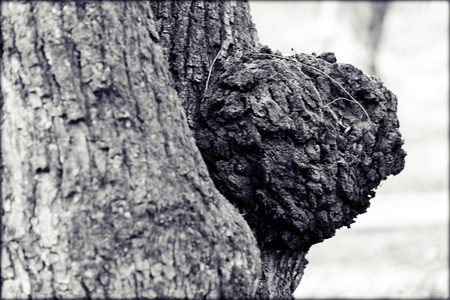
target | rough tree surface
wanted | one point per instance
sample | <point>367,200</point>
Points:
<point>298,144</point>
<point>296,168</point>
<point>285,143</point>
<point>195,34</point>
<point>104,190</point>
<point>104,193</point>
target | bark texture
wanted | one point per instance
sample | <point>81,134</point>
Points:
<point>286,143</point>
<point>197,37</point>
<point>104,193</point>
<point>197,34</point>
<point>280,142</point>
<point>299,145</point>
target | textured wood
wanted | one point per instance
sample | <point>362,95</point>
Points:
<point>296,168</point>
<point>286,145</point>
<point>104,193</point>
<point>299,144</point>
<point>282,272</point>
<point>194,34</point>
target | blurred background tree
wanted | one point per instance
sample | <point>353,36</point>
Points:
<point>367,19</point>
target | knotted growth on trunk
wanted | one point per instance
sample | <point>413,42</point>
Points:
<point>299,144</point>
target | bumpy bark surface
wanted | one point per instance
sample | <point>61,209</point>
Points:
<point>297,168</point>
<point>287,145</point>
<point>299,145</point>
<point>104,193</point>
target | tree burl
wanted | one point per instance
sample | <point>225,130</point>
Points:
<point>299,144</point>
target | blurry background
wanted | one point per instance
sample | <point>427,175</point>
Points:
<point>399,248</point>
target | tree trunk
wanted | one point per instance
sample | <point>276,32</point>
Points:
<point>104,191</point>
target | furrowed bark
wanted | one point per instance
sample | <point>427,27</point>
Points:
<point>196,34</point>
<point>104,193</point>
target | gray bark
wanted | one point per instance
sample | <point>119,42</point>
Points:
<point>296,164</point>
<point>104,191</point>
<point>197,34</point>
<point>299,144</point>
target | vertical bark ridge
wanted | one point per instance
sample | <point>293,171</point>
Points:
<point>192,34</point>
<point>282,273</point>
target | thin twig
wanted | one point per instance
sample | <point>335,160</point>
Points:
<point>353,101</point>
<point>210,70</point>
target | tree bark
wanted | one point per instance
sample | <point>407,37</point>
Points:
<point>299,144</point>
<point>198,35</point>
<point>298,164</point>
<point>104,191</point>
